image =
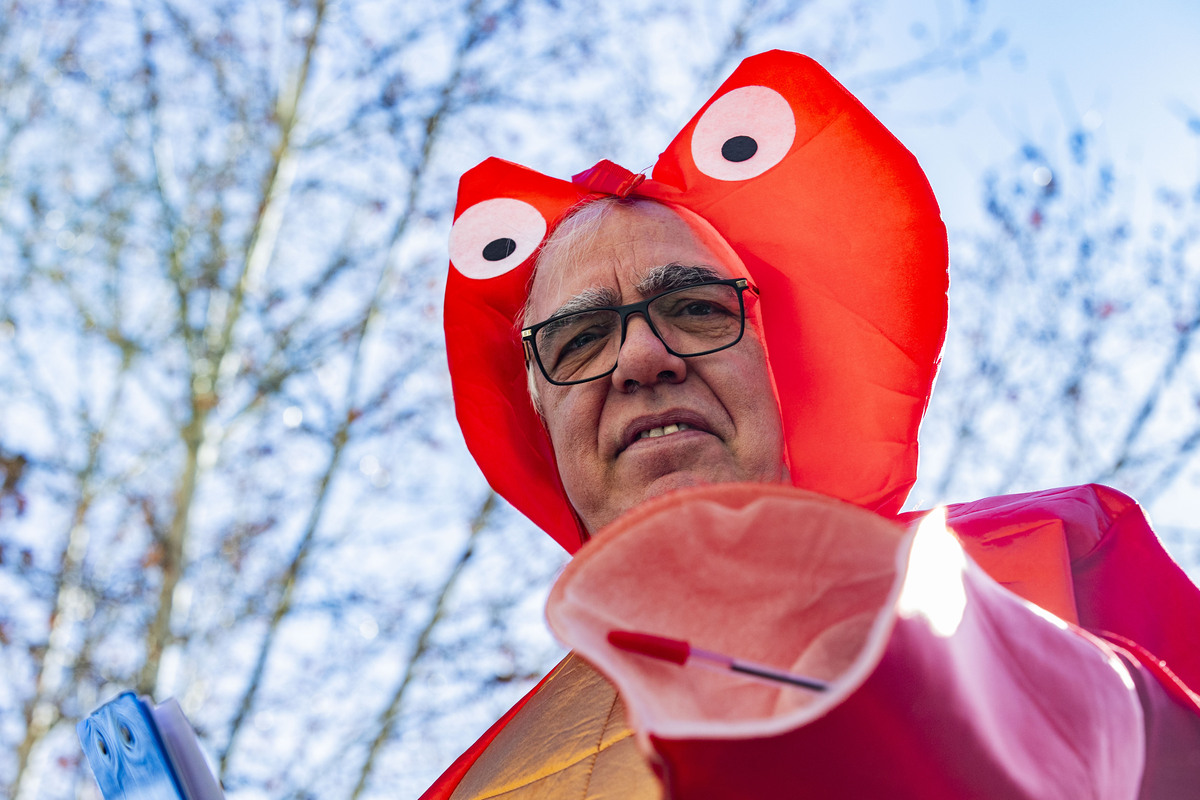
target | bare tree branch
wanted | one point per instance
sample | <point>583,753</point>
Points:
<point>386,723</point>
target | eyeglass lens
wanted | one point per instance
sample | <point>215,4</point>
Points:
<point>691,321</point>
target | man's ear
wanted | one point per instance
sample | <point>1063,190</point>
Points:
<point>535,394</point>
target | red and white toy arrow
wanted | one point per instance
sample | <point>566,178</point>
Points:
<point>680,652</point>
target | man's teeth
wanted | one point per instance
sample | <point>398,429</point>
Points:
<point>666,430</point>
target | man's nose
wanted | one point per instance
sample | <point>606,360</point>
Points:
<point>644,359</point>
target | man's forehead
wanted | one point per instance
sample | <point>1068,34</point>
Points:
<point>610,251</point>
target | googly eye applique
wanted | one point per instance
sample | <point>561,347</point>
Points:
<point>743,134</point>
<point>494,236</point>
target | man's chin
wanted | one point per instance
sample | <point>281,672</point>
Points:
<point>632,488</point>
<point>675,480</point>
<point>657,487</point>
<point>683,479</point>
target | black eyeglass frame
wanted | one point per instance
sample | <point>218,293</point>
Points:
<point>528,335</point>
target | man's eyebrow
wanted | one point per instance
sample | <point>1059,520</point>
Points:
<point>659,279</point>
<point>595,297</point>
<point>674,276</point>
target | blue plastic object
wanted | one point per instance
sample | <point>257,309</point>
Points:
<point>126,752</point>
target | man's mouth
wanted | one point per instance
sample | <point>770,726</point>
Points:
<point>660,425</point>
<point>666,430</point>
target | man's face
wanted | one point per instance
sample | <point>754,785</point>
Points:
<point>730,422</point>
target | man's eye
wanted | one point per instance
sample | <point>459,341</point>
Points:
<point>576,343</point>
<point>696,307</point>
<point>699,308</point>
<point>581,341</point>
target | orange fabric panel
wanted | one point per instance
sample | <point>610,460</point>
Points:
<point>570,740</point>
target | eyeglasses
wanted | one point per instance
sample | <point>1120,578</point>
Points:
<point>695,320</point>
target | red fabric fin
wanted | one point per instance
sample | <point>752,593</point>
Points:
<point>608,178</point>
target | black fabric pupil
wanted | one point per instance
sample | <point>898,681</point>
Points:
<point>739,148</point>
<point>499,249</point>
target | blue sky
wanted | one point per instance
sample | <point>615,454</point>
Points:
<point>1134,66</point>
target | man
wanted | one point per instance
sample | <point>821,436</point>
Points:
<point>618,376</point>
<point>651,420</point>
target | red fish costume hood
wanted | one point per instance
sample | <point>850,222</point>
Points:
<point>837,227</point>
